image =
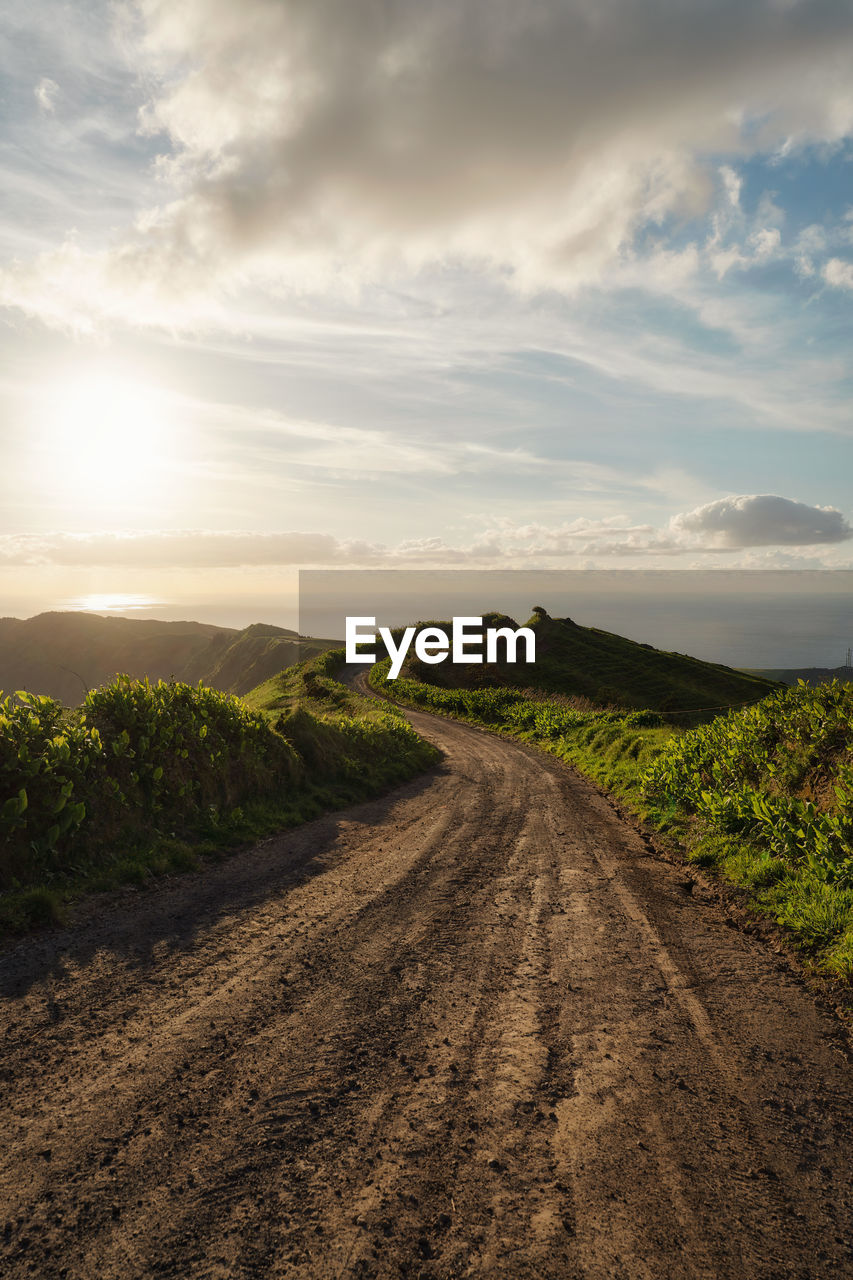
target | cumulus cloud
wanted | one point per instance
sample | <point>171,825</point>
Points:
<point>729,524</point>
<point>304,141</point>
<point>759,520</point>
<point>839,273</point>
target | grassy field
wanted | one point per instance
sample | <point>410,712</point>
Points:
<point>145,778</point>
<point>762,794</point>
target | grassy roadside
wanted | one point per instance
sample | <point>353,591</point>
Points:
<point>147,779</point>
<point>762,796</point>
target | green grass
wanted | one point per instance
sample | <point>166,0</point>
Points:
<point>146,780</point>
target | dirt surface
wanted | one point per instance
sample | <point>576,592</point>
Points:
<point>474,1028</point>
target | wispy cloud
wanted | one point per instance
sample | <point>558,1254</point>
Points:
<point>46,92</point>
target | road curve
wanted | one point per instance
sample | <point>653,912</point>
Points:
<point>474,1028</point>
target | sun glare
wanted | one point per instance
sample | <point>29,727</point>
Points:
<point>109,438</point>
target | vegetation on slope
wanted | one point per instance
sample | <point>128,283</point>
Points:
<point>764,794</point>
<point>142,777</point>
<point>583,662</point>
<point>239,663</point>
<point>773,786</point>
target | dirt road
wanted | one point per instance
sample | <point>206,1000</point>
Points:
<point>471,1029</point>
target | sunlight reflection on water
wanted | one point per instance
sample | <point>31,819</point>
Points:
<point>110,603</point>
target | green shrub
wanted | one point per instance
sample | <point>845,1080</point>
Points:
<point>46,762</point>
<point>143,774</point>
<point>741,772</point>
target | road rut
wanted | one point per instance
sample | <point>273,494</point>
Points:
<point>474,1028</point>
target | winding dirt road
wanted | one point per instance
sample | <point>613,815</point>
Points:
<point>475,1028</point>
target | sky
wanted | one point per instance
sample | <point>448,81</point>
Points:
<point>419,283</point>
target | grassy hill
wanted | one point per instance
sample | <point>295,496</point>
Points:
<point>65,654</point>
<point>606,669</point>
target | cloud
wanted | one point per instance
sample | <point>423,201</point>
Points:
<point>810,242</point>
<point>759,520</point>
<point>46,93</point>
<point>838,273</point>
<point>167,549</point>
<point>730,524</point>
<point>352,138</point>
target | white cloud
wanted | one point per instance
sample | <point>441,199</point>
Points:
<point>759,520</point>
<point>732,184</point>
<point>810,243</point>
<point>766,242</point>
<point>167,549</point>
<point>352,138</point>
<point>46,93</point>
<point>729,524</point>
<point>838,273</point>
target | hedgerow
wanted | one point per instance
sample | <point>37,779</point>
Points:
<point>143,774</point>
<point>135,752</point>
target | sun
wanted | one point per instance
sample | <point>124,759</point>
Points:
<point>108,439</point>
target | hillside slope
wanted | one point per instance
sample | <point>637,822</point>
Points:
<point>239,662</point>
<point>65,654</point>
<point>607,669</point>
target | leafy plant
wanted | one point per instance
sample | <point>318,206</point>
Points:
<point>741,774</point>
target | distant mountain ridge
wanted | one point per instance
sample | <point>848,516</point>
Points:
<point>64,654</point>
<point>811,675</point>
